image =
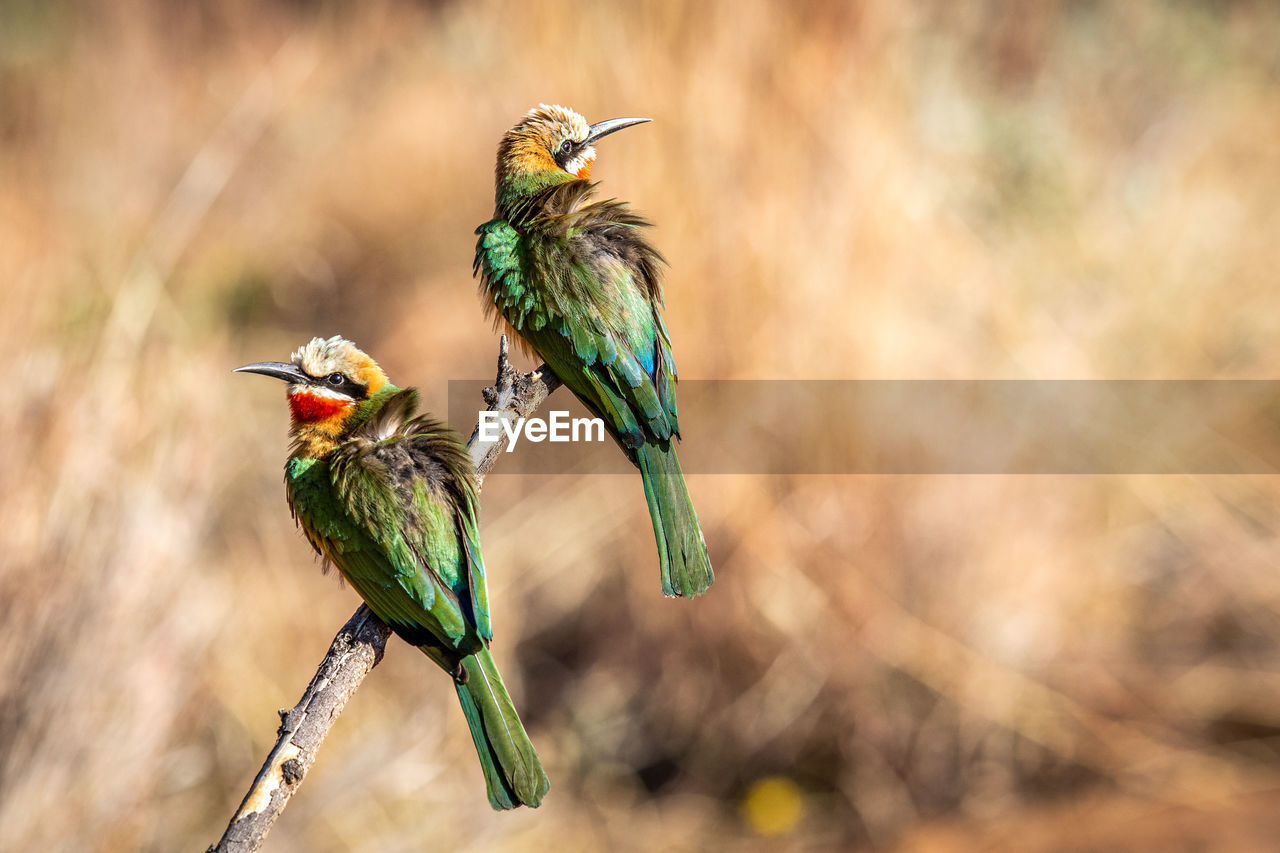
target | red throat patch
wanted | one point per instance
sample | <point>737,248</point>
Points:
<point>584,173</point>
<point>309,408</point>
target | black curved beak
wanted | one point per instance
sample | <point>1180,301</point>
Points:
<point>604,128</point>
<point>278,369</point>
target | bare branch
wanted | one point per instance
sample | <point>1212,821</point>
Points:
<point>359,645</point>
<point>355,650</point>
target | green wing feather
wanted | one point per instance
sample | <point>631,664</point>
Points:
<point>581,286</point>
<point>400,524</point>
<point>578,282</point>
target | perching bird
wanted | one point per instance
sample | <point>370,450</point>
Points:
<point>579,283</point>
<point>390,500</point>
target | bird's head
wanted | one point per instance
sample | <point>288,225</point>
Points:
<point>329,380</point>
<point>550,145</point>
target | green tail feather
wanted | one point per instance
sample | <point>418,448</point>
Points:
<point>682,552</point>
<point>512,772</point>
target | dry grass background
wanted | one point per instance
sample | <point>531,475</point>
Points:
<point>870,190</point>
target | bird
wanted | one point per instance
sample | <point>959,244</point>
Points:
<point>577,281</point>
<point>389,498</point>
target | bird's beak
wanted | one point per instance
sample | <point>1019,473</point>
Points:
<point>278,369</point>
<point>604,128</point>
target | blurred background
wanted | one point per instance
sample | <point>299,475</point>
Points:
<point>872,190</point>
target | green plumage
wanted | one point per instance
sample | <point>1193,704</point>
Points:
<point>393,507</point>
<point>577,280</point>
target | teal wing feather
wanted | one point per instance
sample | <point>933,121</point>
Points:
<point>500,257</point>
<point>477,584</point>
<point>412,546</point>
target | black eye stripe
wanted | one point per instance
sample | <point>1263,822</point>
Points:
<point>567,150</point>
<point>345,384</point>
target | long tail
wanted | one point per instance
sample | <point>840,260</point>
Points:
<point>512,772</point>
<point>682,552</point>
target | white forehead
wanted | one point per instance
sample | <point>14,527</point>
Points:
<point>320,357</point>
<point>575,123</point>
